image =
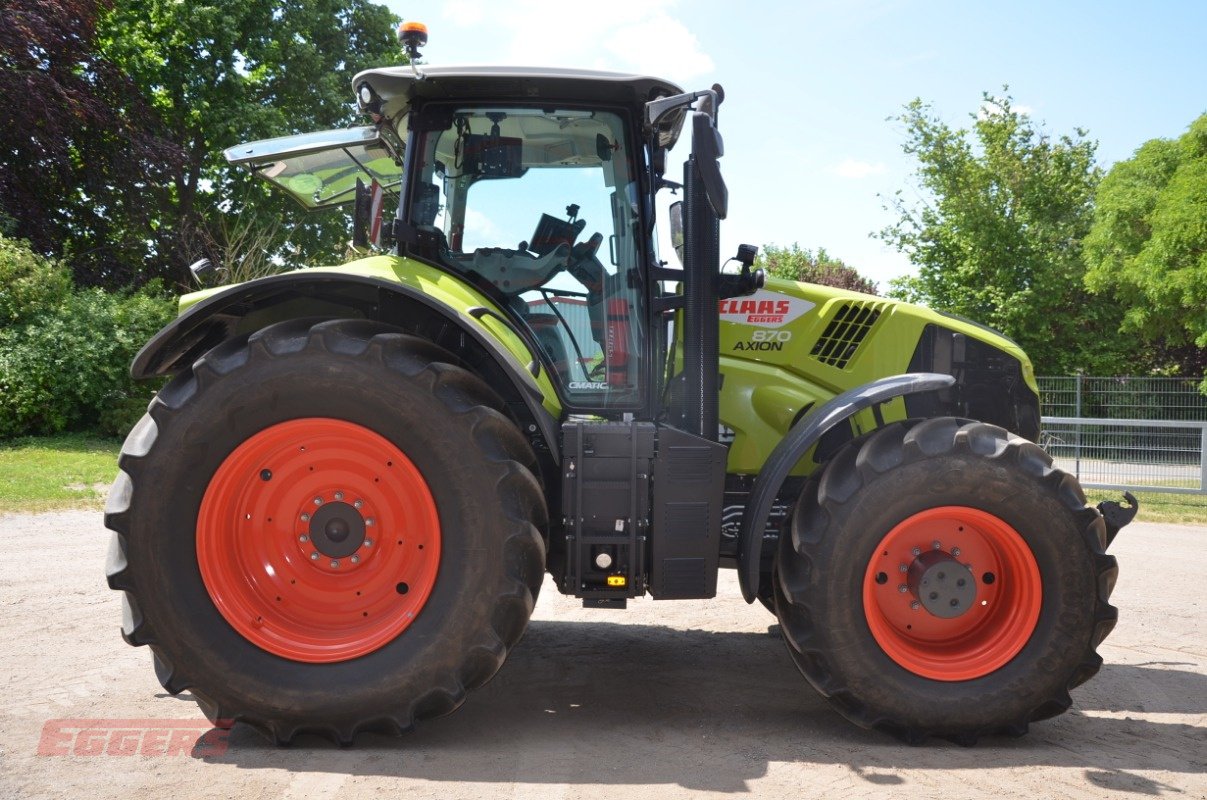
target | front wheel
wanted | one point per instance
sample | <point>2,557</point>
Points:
<point>328,527</point>
<point>943,579</point>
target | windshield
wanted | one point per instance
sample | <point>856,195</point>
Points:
<point>540,205</point>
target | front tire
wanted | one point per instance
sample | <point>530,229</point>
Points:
<point>867,592</point>
<point>326,527</point>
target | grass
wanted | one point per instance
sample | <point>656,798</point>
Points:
<point>52,472</point>
<point>1186,509</point>
<point>74,471</point>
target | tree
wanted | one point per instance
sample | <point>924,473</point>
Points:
<point>996,234</point>
<point>222,72</point>
<point>117,112</point>
<point>75,136</point>
<point>1147,248</point>
<point>802,264</point>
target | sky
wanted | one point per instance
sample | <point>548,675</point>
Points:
<point>810,151</point>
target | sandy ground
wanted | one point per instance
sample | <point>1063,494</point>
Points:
<point>665,700</point>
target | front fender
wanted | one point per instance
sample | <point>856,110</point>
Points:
<point>793,447</point>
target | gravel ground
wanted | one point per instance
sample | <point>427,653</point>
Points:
<point>676,699</point>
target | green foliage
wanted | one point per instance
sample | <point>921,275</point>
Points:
<point>222,72</point>
<point>29,284</point>
<point>997,237</point>
<point>801,264</point>
<point>117,112</point>
<point>1148,245</point>
<point>64,361</point>
<point>77,141</point>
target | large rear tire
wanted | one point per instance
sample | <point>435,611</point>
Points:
<point>943,579</point>
<point>326,527</point>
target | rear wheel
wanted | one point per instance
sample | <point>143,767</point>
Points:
<point>942,578</point>
<point>326,527</point>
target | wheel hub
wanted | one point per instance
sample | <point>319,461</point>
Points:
<point>944,586</point>
<point>952,593</point>
<point>337,530</point>
<point>318,540</point>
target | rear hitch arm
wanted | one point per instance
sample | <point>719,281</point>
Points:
<point>1118,516</point>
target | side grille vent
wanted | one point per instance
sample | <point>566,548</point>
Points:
<point>842,337</point>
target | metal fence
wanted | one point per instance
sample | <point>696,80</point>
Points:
<point>1123,398</point>
<point>1147,434</point>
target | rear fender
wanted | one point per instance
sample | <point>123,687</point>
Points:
<point>250,306</point>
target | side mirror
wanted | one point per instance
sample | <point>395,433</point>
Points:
<point>708,147</point>
<point>676,216</point>
<point>203,269</point>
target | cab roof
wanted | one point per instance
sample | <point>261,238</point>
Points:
<point>399,88</point>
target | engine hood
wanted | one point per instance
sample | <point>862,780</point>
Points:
<point>840,338</point>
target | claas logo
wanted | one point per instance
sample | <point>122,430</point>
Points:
<point>763,309</point>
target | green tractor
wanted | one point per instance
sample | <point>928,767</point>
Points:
<point>337,514</point>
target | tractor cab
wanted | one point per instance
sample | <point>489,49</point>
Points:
<point>535,186</point>
<point>541,208</point>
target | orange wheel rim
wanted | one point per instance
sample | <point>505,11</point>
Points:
<point>952,593</point>
<point>318,540</point>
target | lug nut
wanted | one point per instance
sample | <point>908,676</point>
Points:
<point>368,542</point>
<point>917,551</point>
<point>305,518</point>
<point>903,568</point>
<point>358,504</point>
<point>303,538</point>
<point>369,522</point>
<point>955,551</point>
<point>936,545</point>
<point>339,495</point>
<point>355,559</point>
<point>318,501</point>
<point>314,556</point>
<point>334,564</point>
<point>915,605</point>
<point>902,588</point>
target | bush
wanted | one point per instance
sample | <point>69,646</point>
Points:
<point>29,284</point>
<point>64,365</point>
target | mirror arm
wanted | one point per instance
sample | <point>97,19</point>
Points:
<point>658,110</point>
